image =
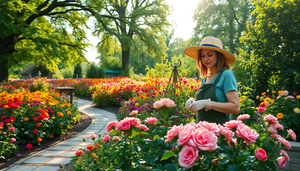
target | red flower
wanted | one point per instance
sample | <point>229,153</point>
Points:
<point>35,119</point>
<point>7,121</point>
<point>3,117</point>
<point>38,124</point>
<point>269,96</point>
<point>29,146</point>
<point>90,147</point>
<point>78,153</point>
<point>34,131</point>
<point>12,118</point>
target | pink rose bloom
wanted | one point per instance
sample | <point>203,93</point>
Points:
<point>19,155</point>
<point>261,110</point>
<point>290,97</point>
<point>123,125</point>
<point>110,125</point>
<point>284,142</point>
<point>158,104</point>
<point>187,156</point>
<point>26,132</point>
<point>4,133</point>
<point>212,127</point>
<point>11,129</point>
<point>87,151</point>
<point>93,136</point>
<point>243,117</point>
<point>248,134</point>
<point>78,153</point>
<point>173,132</point>
<point>185,135</point>
<point>232,124</point>
<point>226,132</point>
<point>276,136</point>
<point>278,97</point>
<point>1,123</point>
<point>116,138</point>
<point>169,103</point>
<point>143,127</point>
<point>133,121</point>
<point>285,154</point>
<point>106,138</point>
<point>204,140</point>
<point>13,140</point>
<point>281,161</point>
<point>29,146</point>
<point>271,119</point>
<point>150,120</point>
<point>279,126</point>
<point>272,129</point>
<point>292,134</point>
<point>285,93</point>
<point>133,112</point>
<point>260,154</point>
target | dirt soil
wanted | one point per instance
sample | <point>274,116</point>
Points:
<point>85,121</point>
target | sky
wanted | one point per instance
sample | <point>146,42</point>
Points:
<point>181,18</point>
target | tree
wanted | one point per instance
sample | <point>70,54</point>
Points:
<point>145,19</point>
<point>225,20</point>
<point>77,71</point>
<point>273,46</point>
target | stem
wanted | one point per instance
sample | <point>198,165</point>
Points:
<point>200,161</point>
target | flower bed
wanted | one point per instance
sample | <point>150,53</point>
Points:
<point>32,117</point>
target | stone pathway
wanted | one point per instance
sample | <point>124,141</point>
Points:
<point>51,158</point>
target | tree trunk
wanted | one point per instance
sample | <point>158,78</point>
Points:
<point>125,58</point>
<point>3,71</point>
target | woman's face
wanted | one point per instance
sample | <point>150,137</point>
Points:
<point>208,58</point>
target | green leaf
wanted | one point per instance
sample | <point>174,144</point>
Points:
<point>174,117</point>
<point>159,141</point>
<point>155,137</point>
<point>167,155</point>
<point>241,158</point>
<point>170,166</point>
<point>233,167</point>
<point>113,155</point>
<point>134,133</point>
<point>113,133</point>
<point>136,148</point>
<point>150,159</point>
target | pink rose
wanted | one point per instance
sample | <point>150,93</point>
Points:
<point>158,104</point>
<point>261,110</point>
<point>93,136</point>
<point>1,123</point>
<point>123,125</point>
<point>243,117</point>
<point>173,132</point>
<point>143,127</point>
<point>284,142</point>
<point>13,140</point>
<point>133,112</point>
<point>248,134</point>
<point>212,127</point>
<point>106,138</point>
<point>271,119</point>
<point>285,155</point>
<point>285,93</point>
<point>150,120</point>
<point>185,135</point>
<point>281,161</point>
<point>204,140</point>
<point>187,156</point>
<point>116,138</point>
<point>260,154</point>
<point>272,129</point>
<point>232,124</point>
<point>231,140</point>
<point>169,103</point>
<point>133,121</point>
<point>292,134</point>
<point>226,132</point>
<point>110,125</point>
<point>279,126</point>
<point>11,129</point>
<point>276,136</point>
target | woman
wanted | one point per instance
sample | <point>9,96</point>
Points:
<point>217,96</point>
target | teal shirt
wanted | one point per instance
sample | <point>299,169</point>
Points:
<point>227,82</point>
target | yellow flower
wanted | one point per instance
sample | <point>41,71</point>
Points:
<point>53,117</point>
<point>8,124</point>
<point>242,100</point>
<point>6,106</point>
<point>272,101</point>
<point>273,92</point>
<point>266,99</point>
<point>296,110</point>
<point>280,92</point>
<point>74,119</point>
<point>69,112</point>
<point>1,127</point>
<point>137,104</point>
<point>279,115</point>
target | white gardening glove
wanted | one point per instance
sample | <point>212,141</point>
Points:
<point>200,104</point>
<point>188,103</point>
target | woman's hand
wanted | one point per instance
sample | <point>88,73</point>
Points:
<point>200,104</point>
<point>188,103</point>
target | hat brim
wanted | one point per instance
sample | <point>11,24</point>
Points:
<point>193,52</point>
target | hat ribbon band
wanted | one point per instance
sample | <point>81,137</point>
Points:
<point>210,45</point>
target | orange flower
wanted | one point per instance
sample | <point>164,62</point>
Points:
<point>40,139</point>
<point>51,135</point>
<point>298,96</point>
<point>279,115</point>
<point>61,124</point>
<point>273,92</point>
<point>280,92</point>
<point>6,106</point>
<point>242,100</point>
<point>38,124</point>
<point>26,119</point>
<point>263,93</point>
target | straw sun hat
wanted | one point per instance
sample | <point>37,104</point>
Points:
<point>210,43</point>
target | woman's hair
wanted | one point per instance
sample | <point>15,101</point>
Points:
<point>220,64</point>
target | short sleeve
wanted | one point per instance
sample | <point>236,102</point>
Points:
<point>229,81</point>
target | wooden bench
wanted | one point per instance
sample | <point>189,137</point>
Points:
<point>67,90</point>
